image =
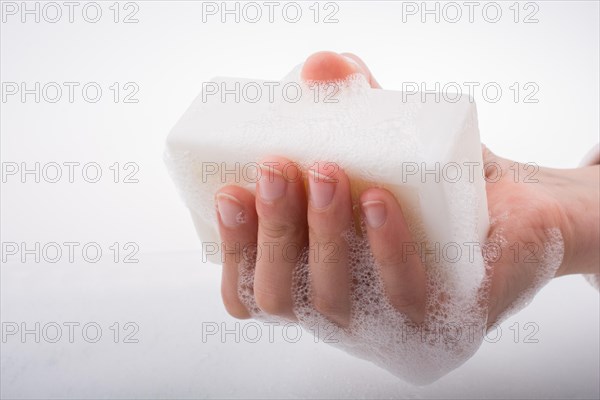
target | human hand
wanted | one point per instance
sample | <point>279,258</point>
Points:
<point>559,207</point>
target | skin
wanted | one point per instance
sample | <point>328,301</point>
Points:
<point>282,212</point>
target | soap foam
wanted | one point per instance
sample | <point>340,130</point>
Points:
<point>450,334</point>
<point>546,267</point>
<point>453,329</point>
<point>456,309</point>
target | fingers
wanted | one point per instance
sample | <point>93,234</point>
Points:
<point>238,226</point>
<point>402,272</point>
<point>329,215</point>
<point>329,66</point>
<point>281,223</point>
<point>282,234</point>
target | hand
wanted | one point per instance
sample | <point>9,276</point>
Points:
<point>527,215</point>
<point>530,206</point>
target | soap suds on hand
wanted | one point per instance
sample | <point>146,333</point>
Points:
<point>453,330</point>
<point>372,135</point>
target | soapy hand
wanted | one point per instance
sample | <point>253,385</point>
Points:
<point>544,225</point>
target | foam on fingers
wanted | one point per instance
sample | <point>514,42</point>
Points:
<point>426,153</point>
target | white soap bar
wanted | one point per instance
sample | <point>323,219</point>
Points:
<point>424,149</point>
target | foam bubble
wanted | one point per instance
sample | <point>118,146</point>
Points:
<point>545,269</point>
<point>451,333</point>
<point>369,133</point>
<point>455,323</point>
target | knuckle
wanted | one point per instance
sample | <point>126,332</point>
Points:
<point>275,230</point>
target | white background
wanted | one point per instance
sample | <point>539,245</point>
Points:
<point>170,292</point>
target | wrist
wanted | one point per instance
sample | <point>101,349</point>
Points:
<point>579,199</point>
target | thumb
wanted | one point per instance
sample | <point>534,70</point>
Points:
<point>329,66</point>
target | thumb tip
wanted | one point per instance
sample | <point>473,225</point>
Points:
<point>328,66</point>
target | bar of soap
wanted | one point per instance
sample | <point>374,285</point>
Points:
<point>426,150</point>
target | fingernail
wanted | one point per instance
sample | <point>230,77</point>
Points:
<point>375,213</point>
<point>230,209</point>
<point>321,189</point>
<point>271,184</point>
